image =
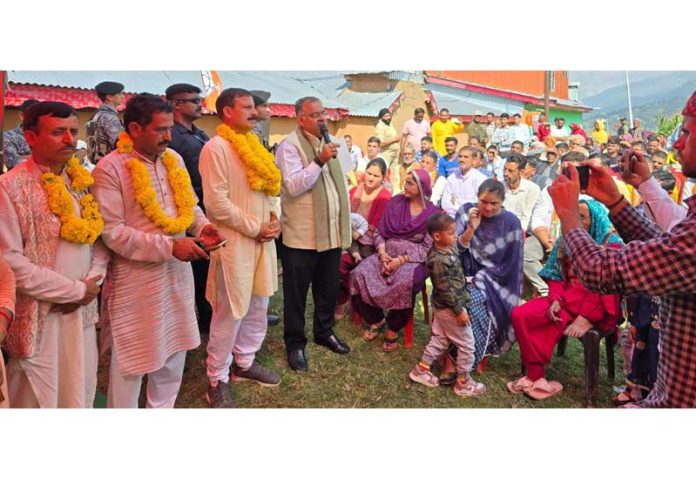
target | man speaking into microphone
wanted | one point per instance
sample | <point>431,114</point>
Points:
<point>315,226</point>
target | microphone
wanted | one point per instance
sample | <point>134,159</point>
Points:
<point>325,134</point>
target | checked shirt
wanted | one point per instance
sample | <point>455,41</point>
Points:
<point>656,264</point>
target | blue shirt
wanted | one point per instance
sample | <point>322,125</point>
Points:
<point>446,167</point>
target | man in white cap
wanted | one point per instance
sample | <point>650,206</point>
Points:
<point>81,154</point>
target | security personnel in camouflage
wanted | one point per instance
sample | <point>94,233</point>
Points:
<point>104,126</point>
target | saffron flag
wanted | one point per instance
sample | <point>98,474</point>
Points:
<point>212,87</point>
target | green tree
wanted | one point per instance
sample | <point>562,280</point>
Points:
<point>666,125</point>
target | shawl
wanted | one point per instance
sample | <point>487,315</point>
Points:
<point>600,231</point>
<point>494,259</point>
<point>397,222</point>
<point>378,203</point>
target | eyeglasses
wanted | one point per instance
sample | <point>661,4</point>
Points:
<point>195,101</point>
<point>316,115</point>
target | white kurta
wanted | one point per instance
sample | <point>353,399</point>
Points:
<point>151,295</point>
<point>63,370</point>
<point>249,266</point>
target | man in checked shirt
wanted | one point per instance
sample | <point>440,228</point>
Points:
<point>652,263</point>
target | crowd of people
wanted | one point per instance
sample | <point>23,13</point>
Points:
<point>151,233</point>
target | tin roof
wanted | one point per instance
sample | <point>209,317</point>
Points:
<point>466,102</point>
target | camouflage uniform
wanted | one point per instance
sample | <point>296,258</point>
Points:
<point>14,146</point>
<point>449,282</point>
<point>477,129</point>
<point>102,132</point>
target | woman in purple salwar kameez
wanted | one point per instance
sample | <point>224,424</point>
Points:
<point>390,279</point>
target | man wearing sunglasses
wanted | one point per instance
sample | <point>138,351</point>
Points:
<point>188,141</point>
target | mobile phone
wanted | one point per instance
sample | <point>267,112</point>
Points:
<point>632,163</point>
<point>583,175</point>
<point>210,248</point>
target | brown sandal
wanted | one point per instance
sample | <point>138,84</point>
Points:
<point>373,331</point>
<point>390,344</point>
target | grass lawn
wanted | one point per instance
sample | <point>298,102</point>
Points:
<point>370,378</point>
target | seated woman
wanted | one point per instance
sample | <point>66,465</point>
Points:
<point>390,279</point>
<point>490,245</point>
<point>368,199</point>
<point>569,309</point>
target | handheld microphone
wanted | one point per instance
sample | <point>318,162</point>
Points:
<point>325,134</point>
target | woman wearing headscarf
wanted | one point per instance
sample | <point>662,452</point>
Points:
<point>391,278</point>
<point>599,134</point>
<point>569,309</point>
<point>7,305</point>
<point>490,245</point>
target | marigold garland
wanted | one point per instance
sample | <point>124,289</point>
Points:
<point>146,196</point>
<point>262,173</point>
<point>84,230</point>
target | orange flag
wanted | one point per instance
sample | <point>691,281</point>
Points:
<point>212,87</point>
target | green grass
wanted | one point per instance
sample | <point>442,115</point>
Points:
<point>370,378</point>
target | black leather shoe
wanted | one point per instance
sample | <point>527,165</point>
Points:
<point>297,360</point>
<point>272,319</point>
<point>333,343</point>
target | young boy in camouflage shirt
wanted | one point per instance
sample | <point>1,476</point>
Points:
<point>451,320</point>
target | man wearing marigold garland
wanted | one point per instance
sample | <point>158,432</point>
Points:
<point>49,225</point>
<point>148,204</point>
<point>315,226</point>
<point>240,185</point>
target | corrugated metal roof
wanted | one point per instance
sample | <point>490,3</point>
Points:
<point>284,89</point>
<point>465,102</point>
<point>368,104</point>
<point>416,76</point>
<point>572,103</point>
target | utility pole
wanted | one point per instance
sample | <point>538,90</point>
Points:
<point>630,109</point>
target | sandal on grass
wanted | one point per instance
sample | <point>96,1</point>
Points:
<point>390,344</point>
<point>373,331</point>
<point>448,379</point>
<point>543,389</point>
<point>520,385</point>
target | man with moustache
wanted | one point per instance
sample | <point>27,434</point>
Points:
<point>243,274</point>
<point>188,141</point>
<point>52,339</point>
<point>414,130</point>
<point>315,227</point>
<point>149,206</point>
<point>389,146</point>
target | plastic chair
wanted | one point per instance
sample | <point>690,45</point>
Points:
<point>590,346</point>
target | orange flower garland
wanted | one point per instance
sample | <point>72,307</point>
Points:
<point>146,196</point>
<point>262,173</point>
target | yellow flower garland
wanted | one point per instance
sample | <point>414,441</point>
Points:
<point>84,230</point>
<point>262,173</point>
<point>146,196</point>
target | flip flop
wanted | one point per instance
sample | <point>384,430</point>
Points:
<point>543,389</point>
<point>520,385</point>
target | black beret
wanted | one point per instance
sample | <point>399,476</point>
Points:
<point>260,97</point>
<point>109,88</point>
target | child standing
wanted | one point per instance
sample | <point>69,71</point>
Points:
<point>451,320</point>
